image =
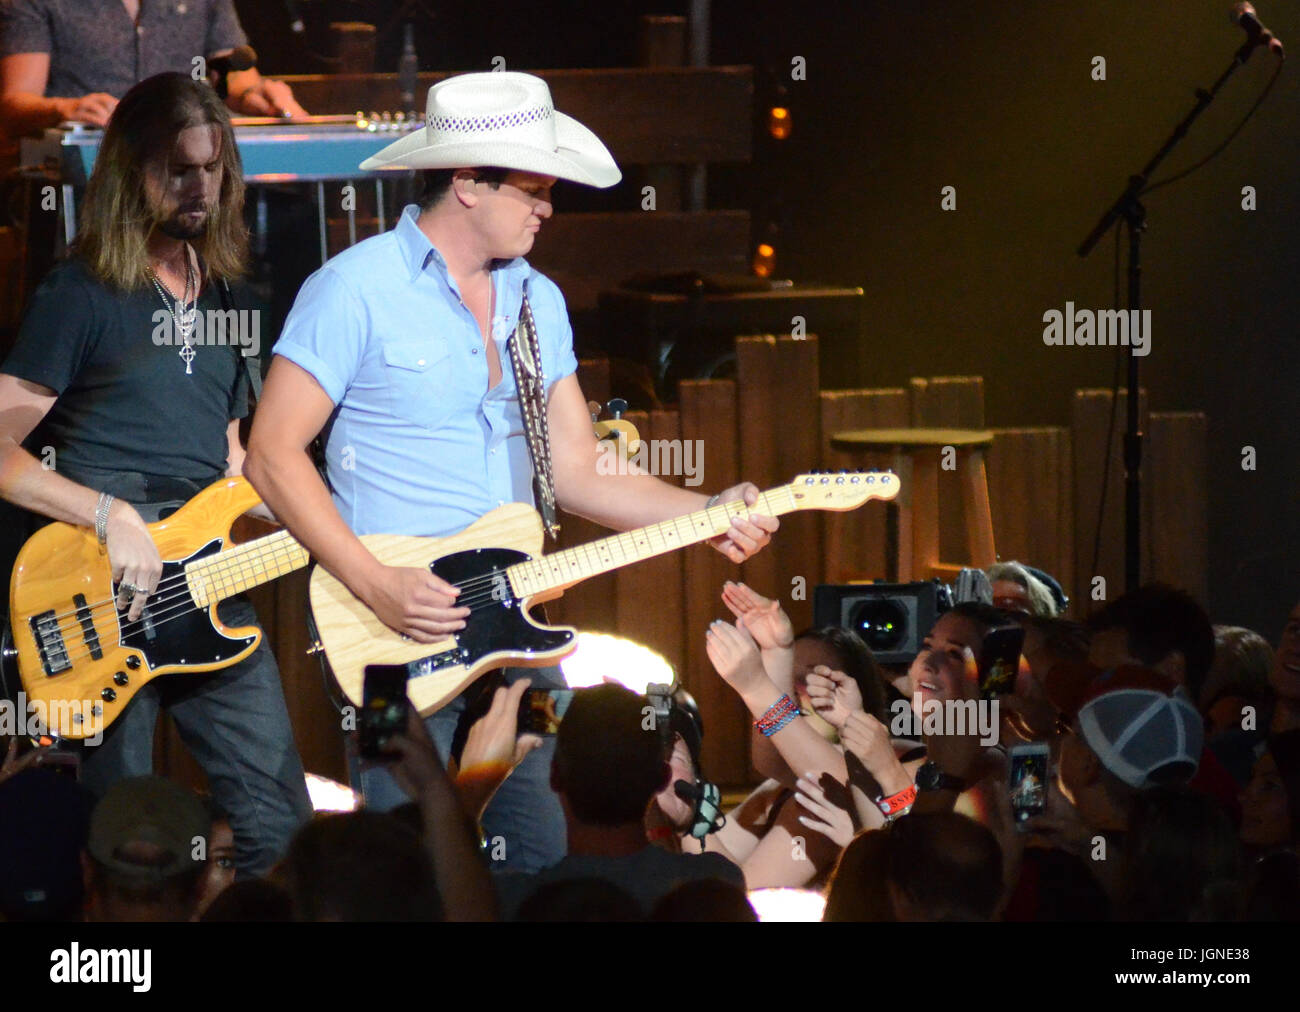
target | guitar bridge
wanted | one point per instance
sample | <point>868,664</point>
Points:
<point>49,642</point>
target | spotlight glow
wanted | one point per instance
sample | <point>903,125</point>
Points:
<point>787,906</point>
<point>331,796</point>
<point>602,658</point>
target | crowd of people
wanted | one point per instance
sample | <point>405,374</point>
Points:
<point>1157,809</point>
<point>1138,765</point>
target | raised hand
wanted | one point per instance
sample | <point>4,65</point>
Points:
<point>734,656</point>
<point>494,744</point>
<point>834,695</point>
<point>766,621</point>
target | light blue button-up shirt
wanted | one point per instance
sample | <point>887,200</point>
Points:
<point>418,444</point>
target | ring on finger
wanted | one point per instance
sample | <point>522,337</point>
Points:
<point>131,588</point>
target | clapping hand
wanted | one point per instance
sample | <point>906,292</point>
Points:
<point>734,655</point>
<point>766,621</point>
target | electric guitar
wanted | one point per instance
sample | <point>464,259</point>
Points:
<point>83,661</point>
<point>497,563</point>
<point>79,659</point>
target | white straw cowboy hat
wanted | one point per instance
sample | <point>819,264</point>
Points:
<point>500,119</point>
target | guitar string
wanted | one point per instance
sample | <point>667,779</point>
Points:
<point>236,561</point>
<point>221,568</point>
<point>157,618</point>
<point>220,565</point>
<point>161,617</point>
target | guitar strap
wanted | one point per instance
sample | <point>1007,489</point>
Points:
<point>526,360</point>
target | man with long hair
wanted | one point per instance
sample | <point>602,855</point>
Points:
<point>128,427</point>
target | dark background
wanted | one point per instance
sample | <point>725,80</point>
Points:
<point>997,100</point>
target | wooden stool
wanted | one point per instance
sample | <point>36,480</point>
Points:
<point>915,538</point>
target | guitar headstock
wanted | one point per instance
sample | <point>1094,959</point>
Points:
<point>617,429</point>
<point>842,490</point>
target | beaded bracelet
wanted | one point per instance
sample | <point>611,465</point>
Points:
<point>777,716</point>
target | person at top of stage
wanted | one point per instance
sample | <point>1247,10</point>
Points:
<point>400,344</point>
<point>127,427</point>
<point>74,59</point>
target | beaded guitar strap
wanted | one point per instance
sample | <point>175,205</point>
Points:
<point>526,360</point>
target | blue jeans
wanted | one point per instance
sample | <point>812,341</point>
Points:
<point>524,823</point>
<point>235,723</point>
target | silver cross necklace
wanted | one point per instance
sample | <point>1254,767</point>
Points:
<point>183,312</point>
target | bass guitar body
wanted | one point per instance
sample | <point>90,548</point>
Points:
<point>79,657</point>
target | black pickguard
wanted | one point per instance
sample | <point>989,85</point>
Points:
<point>172,630</point>
<point>497,621</point>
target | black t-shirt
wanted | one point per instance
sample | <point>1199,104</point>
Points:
<point>125,402</point>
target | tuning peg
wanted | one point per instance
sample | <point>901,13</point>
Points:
<point>594,408</point>
<point>616,407</point>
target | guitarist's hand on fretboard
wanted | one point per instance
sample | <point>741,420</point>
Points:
<point>746,536</point>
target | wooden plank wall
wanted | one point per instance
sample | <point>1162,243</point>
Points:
<point>1032,498</point>
<point>949,402</point>
<point>855,541</point>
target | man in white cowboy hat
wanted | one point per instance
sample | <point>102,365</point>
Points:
<point>398,345</point>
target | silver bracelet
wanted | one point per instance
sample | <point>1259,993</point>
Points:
<point>102,507</point>
<point>713,500</point>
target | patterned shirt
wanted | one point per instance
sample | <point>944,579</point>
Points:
<point>95,47</point>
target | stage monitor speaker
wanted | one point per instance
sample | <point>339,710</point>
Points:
<point>892,618</point>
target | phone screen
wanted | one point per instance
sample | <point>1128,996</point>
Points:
<point>541,710</point>
<point>384,708</point>
<point>999,660</point>
<point>1028,780</point>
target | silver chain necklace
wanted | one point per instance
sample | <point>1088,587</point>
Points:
<point>182,311</point>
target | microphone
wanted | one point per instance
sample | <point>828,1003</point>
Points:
<point>219,67</point>
<point>1244,14</point>
<point>296,24</point>
<point>687,791</point>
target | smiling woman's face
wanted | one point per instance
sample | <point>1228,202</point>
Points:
<point>938,670</point>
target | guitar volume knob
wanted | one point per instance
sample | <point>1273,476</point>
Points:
<point>108,695</point>
<point>133,662</point>
<point>120,678</point>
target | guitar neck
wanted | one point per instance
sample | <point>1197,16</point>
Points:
<point>572,565</point>
<point>243,567</point>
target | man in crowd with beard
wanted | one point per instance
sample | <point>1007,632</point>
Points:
<point>127,428</point>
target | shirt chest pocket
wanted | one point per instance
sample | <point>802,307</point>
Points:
<point>420,386</point>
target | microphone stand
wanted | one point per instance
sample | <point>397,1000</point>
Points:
<point>1129,207</point>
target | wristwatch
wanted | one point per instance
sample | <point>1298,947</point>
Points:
<point>930,778</point>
